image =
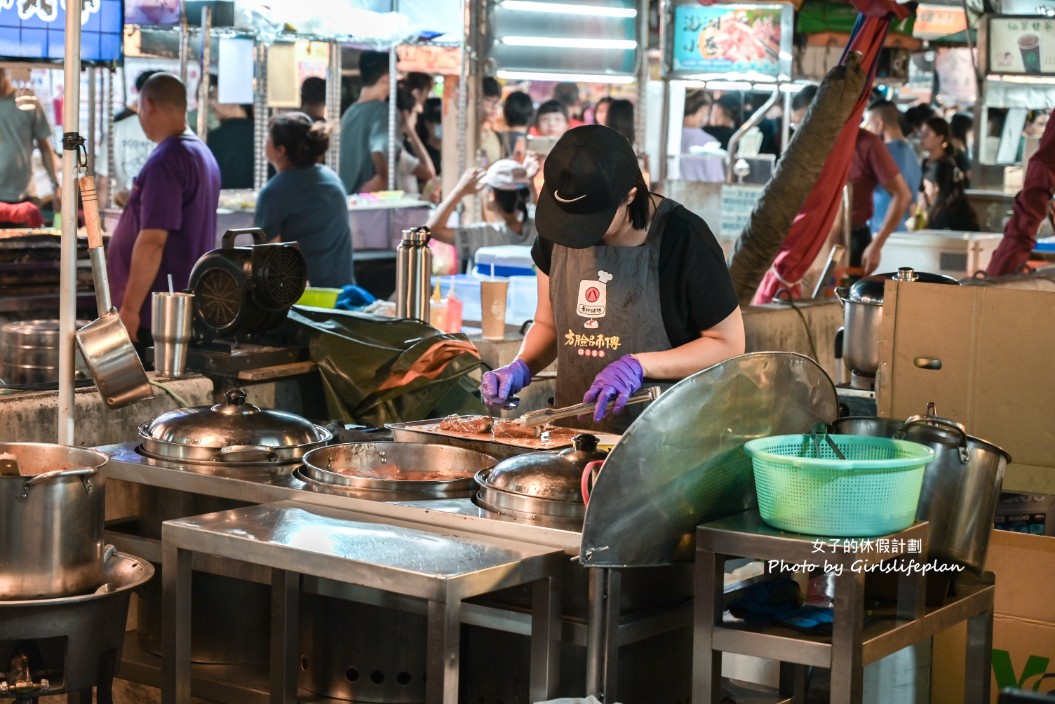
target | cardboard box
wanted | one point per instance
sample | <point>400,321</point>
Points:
<point>1023,627</point>
<point>980,353</point>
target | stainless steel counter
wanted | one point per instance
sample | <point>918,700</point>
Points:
<point>260,487</point>
<point>435,565</point>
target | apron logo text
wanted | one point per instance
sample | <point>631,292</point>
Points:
<point>592,302</point>
<point>591,345</point>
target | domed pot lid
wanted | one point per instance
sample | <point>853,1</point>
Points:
<point>870,289</point>
<point>232,431</point>
<point>550,475</point>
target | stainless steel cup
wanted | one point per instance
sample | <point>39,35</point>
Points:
<point>171,327</point>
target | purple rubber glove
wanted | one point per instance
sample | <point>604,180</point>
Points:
<point>496,387</point>
<point>619,380</point>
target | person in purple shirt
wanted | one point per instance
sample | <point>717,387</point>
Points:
<point>170,218</point>
<point>697,166</point>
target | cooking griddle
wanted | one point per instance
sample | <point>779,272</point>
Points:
<point>429,431</point>
<point>682,462</point>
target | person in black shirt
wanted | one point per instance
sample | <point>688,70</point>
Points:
<point>631,285</point>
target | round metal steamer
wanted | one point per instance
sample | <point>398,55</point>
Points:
<point>540,487</point>
<point>394,470</point>
<point>232,434</point>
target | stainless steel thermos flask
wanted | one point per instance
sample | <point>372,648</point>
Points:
<point>413,274</point>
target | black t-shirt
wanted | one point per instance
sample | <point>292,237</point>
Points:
<point>695,289</point>
<point>232,145</point>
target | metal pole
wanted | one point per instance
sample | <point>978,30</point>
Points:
<point>71,107</point>
<point>108,115</point>
<point>93,117</point>
<point>333,107</point>
<point>393,115</point>
<point>664,110</point>
<point>641,116</point>
<point>203,85</point>
<point>260,117</point>
<point>184,44</point>
<point>468,58</point>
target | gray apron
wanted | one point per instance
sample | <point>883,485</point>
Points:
<point>605,305</point>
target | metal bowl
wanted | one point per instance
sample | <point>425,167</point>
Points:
<point>421,469</point>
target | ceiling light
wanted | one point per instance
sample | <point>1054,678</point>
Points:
<point>577,77</point>
<point>567,9</point>
<point>570,42</point>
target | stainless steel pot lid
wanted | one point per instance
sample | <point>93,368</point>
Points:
<point>870,289</point>
<point>554,476</point>
<point>239,431</point>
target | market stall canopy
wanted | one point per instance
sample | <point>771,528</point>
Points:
<point>828,23</point>
<point>367,23</point>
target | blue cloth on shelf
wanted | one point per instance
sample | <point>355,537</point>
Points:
<point>353,298</point>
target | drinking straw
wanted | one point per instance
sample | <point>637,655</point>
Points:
<point>171,289</point>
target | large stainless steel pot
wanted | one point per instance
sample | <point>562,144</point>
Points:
<point>961,485</point>
<point>540,487</point>
<point>232,434</point>
<point>51,521</point>
<point>863,315</point>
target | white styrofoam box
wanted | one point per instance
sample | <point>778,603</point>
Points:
<point>520,301</point>
<point>953,253</point>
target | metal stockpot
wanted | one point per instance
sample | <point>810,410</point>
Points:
<point>540,487</point>
<point>863,315</point>
<point>961,485</point>
<point>51,521</point>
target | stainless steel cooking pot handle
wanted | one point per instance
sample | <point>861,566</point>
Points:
<point>935,420</point>
<point>247,453</point>
<point>843,294</point>
<point>85,473</point>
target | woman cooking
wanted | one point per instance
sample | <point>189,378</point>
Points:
<point>631,286</point>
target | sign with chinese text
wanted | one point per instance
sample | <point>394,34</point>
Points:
<point>1021,45</point>
<point>937,21</point>
<point>733,41</point>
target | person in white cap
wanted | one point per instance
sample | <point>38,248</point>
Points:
<point>631,285</point>
<point>508,185</point>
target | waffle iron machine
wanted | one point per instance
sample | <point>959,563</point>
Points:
<point>242,295</point>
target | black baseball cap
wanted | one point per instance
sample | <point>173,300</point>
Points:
<point>588,174</point>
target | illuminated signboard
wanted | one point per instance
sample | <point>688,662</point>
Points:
<point>1021,45</point>
<point>937,21</point>
<point>35,30</point>
<point>732,41</point>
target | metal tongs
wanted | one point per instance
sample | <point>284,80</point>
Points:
<point>822,428</point>
<point>548,414</point>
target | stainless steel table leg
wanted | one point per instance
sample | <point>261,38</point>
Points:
<point>596,582</point>
<point>284,624</point>
<point>545,638</point>
<point>793,682</point>
<point>847,673</point>
<point>979,656</point>
<point>709,587</point>
<point>613,598</point>
<point>176,621</point>
<point>441,657</point>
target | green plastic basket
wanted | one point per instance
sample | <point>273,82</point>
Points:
<point>805,488</point>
